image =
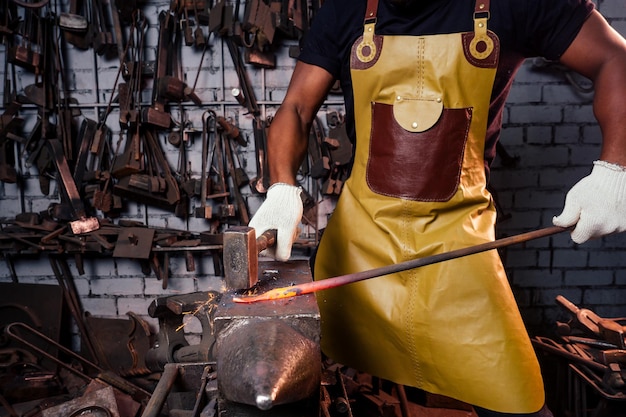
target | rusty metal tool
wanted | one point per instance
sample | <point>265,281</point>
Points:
<point>199,40</point>
<point>80,366</point>
<point>241,255</point>
<point>218,166</point>
<point>608,329</point>
<point>73,20</point>
<point>551,346</point>
<point>70,295</point>
<point>583,318</point>
<point>102,37</point>
<point>76,26</point>
<point>157,114</point>
<point>260,184</point>
<point>240,202</point>
<point>205,211</point>
<point>341,280</point>
<point>82,223</point>
<point>168,193</point>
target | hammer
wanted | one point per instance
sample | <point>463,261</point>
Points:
<point>241,255</point>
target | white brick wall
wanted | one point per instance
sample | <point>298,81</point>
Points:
<point>547,124</point>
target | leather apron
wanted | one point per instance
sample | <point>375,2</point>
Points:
<point>418,188</point>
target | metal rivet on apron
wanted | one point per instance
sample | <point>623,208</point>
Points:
<point>480,25</point>
<point>369,29</point>
<point>414,125</point>
<point>482,6</point>
<point>438,99</point>
<point>399,98</point>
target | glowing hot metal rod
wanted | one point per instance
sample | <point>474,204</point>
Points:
<point>310,287</point>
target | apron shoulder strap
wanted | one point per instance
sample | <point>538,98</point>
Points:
<point>481,10</point>
<point>481,7</point>
<point>370,12</point>
<point>482,44</point>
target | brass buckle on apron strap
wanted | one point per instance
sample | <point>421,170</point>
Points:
<point>481,45</point>
<point>366,50</point>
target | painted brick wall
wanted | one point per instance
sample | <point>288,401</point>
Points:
<point>548,125</point>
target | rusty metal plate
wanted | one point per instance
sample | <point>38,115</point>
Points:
<point>121,344</point>
<point>134,242</point>
<point>98,403</point>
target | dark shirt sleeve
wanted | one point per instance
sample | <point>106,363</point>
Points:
<point>334,28</point>
<point>547,27</point>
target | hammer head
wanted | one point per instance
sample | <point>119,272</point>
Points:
<point>241,257</point>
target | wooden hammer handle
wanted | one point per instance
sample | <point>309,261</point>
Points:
<point>266,240</point>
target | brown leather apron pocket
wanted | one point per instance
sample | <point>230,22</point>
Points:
<point>421,166</point>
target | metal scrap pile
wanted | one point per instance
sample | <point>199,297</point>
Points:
<point>594,351</point>
<point>252,359</point>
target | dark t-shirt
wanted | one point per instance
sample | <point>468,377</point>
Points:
<point>526,28</point>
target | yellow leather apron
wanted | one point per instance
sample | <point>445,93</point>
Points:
<point>417,188</point>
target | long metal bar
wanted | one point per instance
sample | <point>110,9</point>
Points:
<point>66,282</point>
<point>329,283</point>
<point>163,388</point>
<point>112,378</point>
<point>45,353</point>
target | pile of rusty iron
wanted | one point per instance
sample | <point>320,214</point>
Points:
<point>593,349</point>
<point>41,376</point>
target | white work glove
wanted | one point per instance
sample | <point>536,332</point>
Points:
<point>596,204</point>
<point>282,210</point>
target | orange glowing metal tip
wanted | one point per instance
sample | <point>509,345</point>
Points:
<point>310,287</point>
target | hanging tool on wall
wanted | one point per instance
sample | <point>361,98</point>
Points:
<point>65,113</point>
<point>154,184</point>
<point>221,191</point>
<point>129,98</point>
<point>157,114</point>
<point>8,173</point>
<point>72,20</point>
<point>182,137</point>
<point>245,94</point>
<point>205,211</point>
<point>76,27</point>
<point>186,24</point>
<point>102,38</point>
<point>168,84</point>
<point>257,33</point>
<point>200,40</point>
<point>229,133</point>
<point>80,222</point>
<point>25,48</point>
<point>9,21</point>
<point>10,130</point>
<point>337,150</point>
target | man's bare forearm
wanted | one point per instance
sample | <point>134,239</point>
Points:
<point>288,135</point>
<point>286,144</point>
<point>599,53</point>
